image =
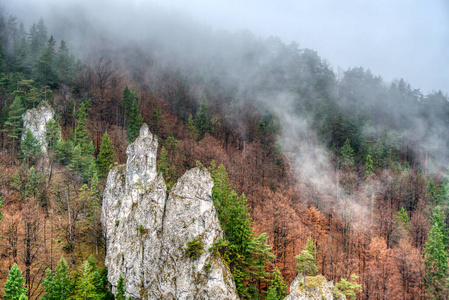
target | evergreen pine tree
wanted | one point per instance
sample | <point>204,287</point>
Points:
<point>81,133</point>
<point>15,284</point>
<point>442,195</point>
<point>347,156</point>
<point>4,115</point>
<point>133,117</point>
<point>105,157</point>
<point>30,147</point>
<point>436,256</point>
<point>306,264</point>
<point>13,125</point>
<point>378,154</point>
<point>128,98</point>
<point>191,129</point>
<point>157,119</point>
<point>167,171</point>
<point>202,120</point>
<point>120,295</point>
<point>58,285</point>
<point>135,122</point>
<point>41,34</point>
<point>76,162</point>
<point>369,166</point>
<point>349,287</point>
<point>430,191</point>
<point>246,253</point>
<point>46,73</point>
<point>90,283</point>
<point>65,65</point>
<point>311,247</point>
<point>3,68</point>
<point>52,134</point>
<point>34,44</point>
<point>21,61</point>
<point>278,288</point>
<point>403,217</point>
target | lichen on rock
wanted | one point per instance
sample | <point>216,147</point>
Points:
<point>35,120</point>
<point>147,231</point>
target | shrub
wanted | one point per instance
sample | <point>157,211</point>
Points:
<point>194,248</point>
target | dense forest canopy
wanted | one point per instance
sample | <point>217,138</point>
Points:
<point>346,160</point>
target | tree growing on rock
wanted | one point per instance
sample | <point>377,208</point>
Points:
<point>306,264</point>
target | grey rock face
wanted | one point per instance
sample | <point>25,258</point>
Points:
<point>35,120</point>
<point>316,288</point>
<point>147,232</point>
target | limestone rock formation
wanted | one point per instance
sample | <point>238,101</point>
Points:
<point>147,231</point>
<point>316,288</point>
<point>35,120</point>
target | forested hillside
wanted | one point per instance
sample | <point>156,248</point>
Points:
<point>340,164</point>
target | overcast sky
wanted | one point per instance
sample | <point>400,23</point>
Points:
<point>393,38</point>
<point>399,38</point>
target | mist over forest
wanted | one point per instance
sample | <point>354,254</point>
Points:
<point>355,162</point>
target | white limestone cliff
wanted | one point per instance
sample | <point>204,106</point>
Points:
<point>35,120</point>
<point>147,231</point>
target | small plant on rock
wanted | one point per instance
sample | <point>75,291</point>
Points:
<point>194,248</point>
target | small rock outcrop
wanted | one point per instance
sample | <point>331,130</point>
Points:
<point>147,231</point>
<point>316,288</point>
<point>35,120</point>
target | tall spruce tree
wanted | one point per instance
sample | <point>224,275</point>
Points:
<point>436,256</point>
<point>105,157</point>
<point>58,285</point>
<point>89,284</point>
<point>135,122</point>
<point>278,288</point>
<point>30,148</point>
<point>4,115</point>
<point>168,172</point>
<point>120,295</point>
<point>306,264</point>
<point>133,118</point>
<point>369,166</point>
<point>246,253</point>
<point>202,122</point>
<point>311,247</point>
<point>347,155</point>
<point>442,195</point>
<point>65,64</point>
<point>13,125</point>
<point>430,190</point>
<point>45,64</point>
<point>52,134</point>
<point>15,284</point>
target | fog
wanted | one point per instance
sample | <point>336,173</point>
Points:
<point>394,39</point>
<point>401,39</point>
